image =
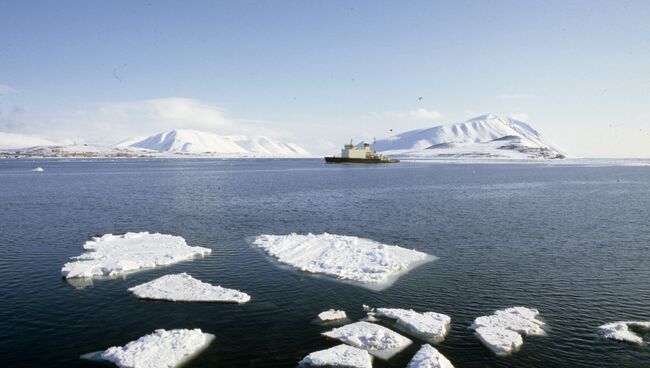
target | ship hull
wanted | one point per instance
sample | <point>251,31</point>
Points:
<point>343,160</point>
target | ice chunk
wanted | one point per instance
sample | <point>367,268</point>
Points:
<point>160,349</point>
<point>183,287</point>
<point>519,319</point>
<point>430,326</point>
<point>378,340</point>
<point>429,357</point>
<point>339,356</point>
<point>112,255</point>
<point>624,331</point>
<point>332,315</point>
<point>363,261</point>
<point>501,332</point>
<point>500,340</point>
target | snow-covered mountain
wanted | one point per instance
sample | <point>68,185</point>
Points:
<point>198,142</point>
<point>15,141</point>
<point>486,136</point>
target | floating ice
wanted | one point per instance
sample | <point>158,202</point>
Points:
<point>519,319</point>
<point>332,315</point>
<point>339,356</point>
<point>500,340</point>
<point>378,340</point>
<point>183,287</point>
<point>38,169</point>
<point>430,326</point>
<point>112,255</point>
<point>624,331</point>
<point>429,357</point>
<point>160,349</point>
<point>364,261</point>
<point>501,332</point>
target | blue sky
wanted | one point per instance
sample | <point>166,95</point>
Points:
<point>321,72</point>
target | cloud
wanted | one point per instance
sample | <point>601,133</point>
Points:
<point>425,114</point>
<point>417,114</point>
<point>12,120</point>
<point>519,116</point>
<point>111,122</point>
<point>5,89</point>
<point>158,114</point>
<point>515,96</point>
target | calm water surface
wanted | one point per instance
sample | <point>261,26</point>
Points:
<point>571,241</point>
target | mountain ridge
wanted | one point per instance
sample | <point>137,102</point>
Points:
<point>199,142</point>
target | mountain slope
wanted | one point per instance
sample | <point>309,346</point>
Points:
<point>487,136</point>
<point>197,142</point>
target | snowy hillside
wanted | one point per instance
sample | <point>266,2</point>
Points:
<point>197,142</point>
<point>486,136</point>
<point>14,141</point>
<point>77,150</point>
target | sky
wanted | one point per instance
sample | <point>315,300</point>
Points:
<point>322,72</point>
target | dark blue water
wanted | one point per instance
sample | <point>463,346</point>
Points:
<point>571,241</point>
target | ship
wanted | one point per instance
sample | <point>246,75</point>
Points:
<point>351,154</point>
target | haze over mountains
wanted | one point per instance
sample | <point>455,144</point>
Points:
<point>485,136</point>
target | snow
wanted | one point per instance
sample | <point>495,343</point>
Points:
<point>519,319</point>
<point>332,315</point>
<point>378,340</point>
<point>500,340</point>
<point>430,326</point>
<point>429,357</point>
<point>111,255</point>
<point>82,150</point>
<point>183,287</point>
<point>198,142</point>
<point>339,356</point>
<point>173,143</point>
<point>160,349</point>
<point>486,137</point>
<point>9,141</point>
<point>624,331</point>
<point>501,332</point>
<point>350,258</point>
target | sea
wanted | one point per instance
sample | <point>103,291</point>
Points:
<point>571,240</point>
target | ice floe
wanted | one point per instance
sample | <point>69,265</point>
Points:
<point>378,340</point>
<point>430,326</point>
<point>339,356</point>
<point>332,315</point>
<point>502,331</point>
<point>624,331</point>
<point>160,349</point>
<point>185,288</point>
<point>112,255</point>
<point>350,258</point>
<point>500,340</point>
<point>429,357</point>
